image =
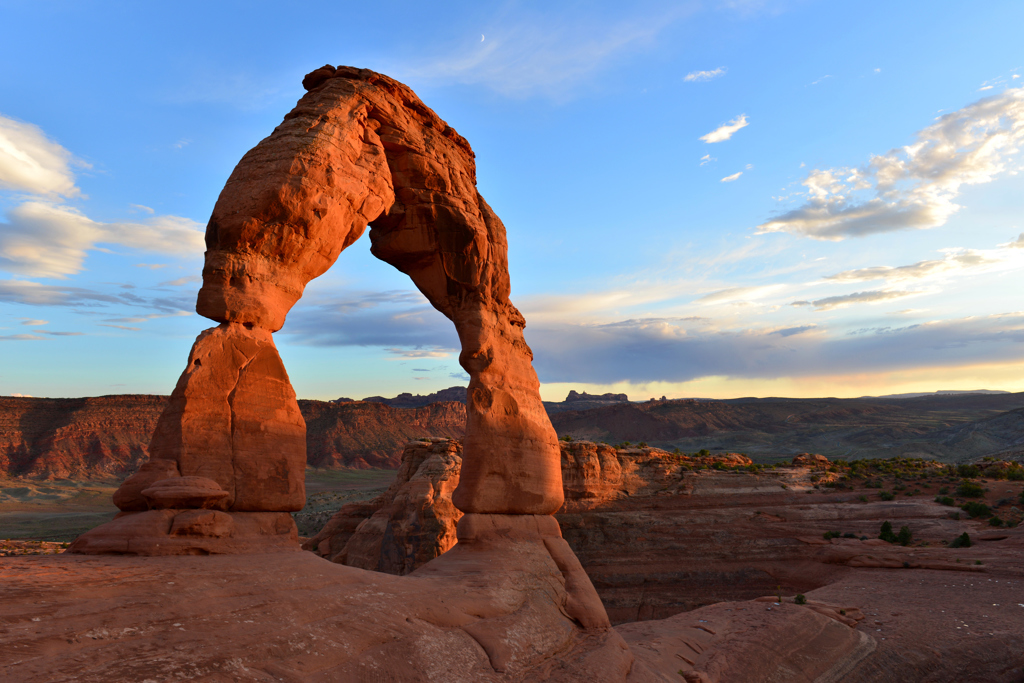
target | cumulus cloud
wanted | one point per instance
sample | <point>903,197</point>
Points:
<point>913,186</point>
<point>43,239</point>
<point>726,130</point>
<point>843,300</point>
<point>1016,244</point>
<point>31,162</point>
<point>699,76</point>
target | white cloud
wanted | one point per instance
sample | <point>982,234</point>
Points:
<point>954,261</point>
<point>142,207</point>
<point>420,353</point>
<point>914,186</point>
<point>875,296</point>
<point>1016,244</point>
<point>707,159</point>
<point>31,162</point>
<point>738,294</point>
<point>730,178</point>
<point>725,131</point>
<point>42,239</point>
<point>699,76</point>
<point>821,79</point>
<point>32,322</point>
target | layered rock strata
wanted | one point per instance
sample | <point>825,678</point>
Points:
<point>658,535</point>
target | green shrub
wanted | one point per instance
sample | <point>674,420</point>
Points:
<point>831,534</point>
<point>703,452</point>
<point>800,599</point>
<point>885,495</point>
<point>642,444</point>
<point>968,471</point>
<point>944,500</point>
<point>1015,473</point>
<point>849,535</point>
<point>976,509</point>
<point>886,533</point>
<point>961,541</point>
<point>565,437</point>
<point>944,490</point>
<point>995,521</point>
<point>904,537</point>
<point>970,489</point>
<point>862,499</point>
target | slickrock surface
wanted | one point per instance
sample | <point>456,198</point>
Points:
<point>657,535</point>
<point>496,608</point>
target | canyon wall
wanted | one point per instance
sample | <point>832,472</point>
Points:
<point>106,437</point>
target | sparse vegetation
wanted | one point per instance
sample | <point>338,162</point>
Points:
<point>885,495</point>
<point>886,533</point>
<point>970,489</point>
<point>961,541</point>
<point>945,500</point>
<point>976,509</point>
<point>800,599</point>
<point>904,537</point>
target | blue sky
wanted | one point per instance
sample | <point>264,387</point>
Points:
<point>702,199</point>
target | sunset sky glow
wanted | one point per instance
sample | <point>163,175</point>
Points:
<point>717,199</point>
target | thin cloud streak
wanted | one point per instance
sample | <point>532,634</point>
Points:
<point>726,130</point>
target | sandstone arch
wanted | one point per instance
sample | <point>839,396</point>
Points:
<point>358,149</point>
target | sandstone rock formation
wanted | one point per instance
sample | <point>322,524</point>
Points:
<point>410,524</point>
<point>660,534</point>
<point>359,149</point>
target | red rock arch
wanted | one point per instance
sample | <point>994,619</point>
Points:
<point>358,149</point>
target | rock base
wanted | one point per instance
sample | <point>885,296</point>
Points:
<point>190,532</point>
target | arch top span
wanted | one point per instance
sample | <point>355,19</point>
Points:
<point>361,149</point>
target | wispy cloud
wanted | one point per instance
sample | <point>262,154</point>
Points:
<point>875,296</point>
<point>420,353</point>
<point>914,186</point>
<point>700,76</point>
<point>954,261</point>
<point>707,159</point>
<point>33,322</point>
<point>730,178</point>
<point>32,162</point>
<point>726,130</point>
<point>543,56</point>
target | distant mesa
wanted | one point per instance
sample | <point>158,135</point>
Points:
<point>611,398</point>
<point>407,400</point>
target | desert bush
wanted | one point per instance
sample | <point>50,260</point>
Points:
<point>968,471</point>
<point>995,521</point>
<point>642,444</point>
<point>944,490</point>
<point>944,500</point>
<point>904,537</point>
<point>565,437</point>
<point>832,534</point>
<point>703,452</point>
<point>970,489</point>
<point>1015,473</point>
<point>885,495</point>
<point>961,541</point>
<point>862,499</point>
<point>800,599</point>
<point>976,509</point>
<point>886,533</point>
